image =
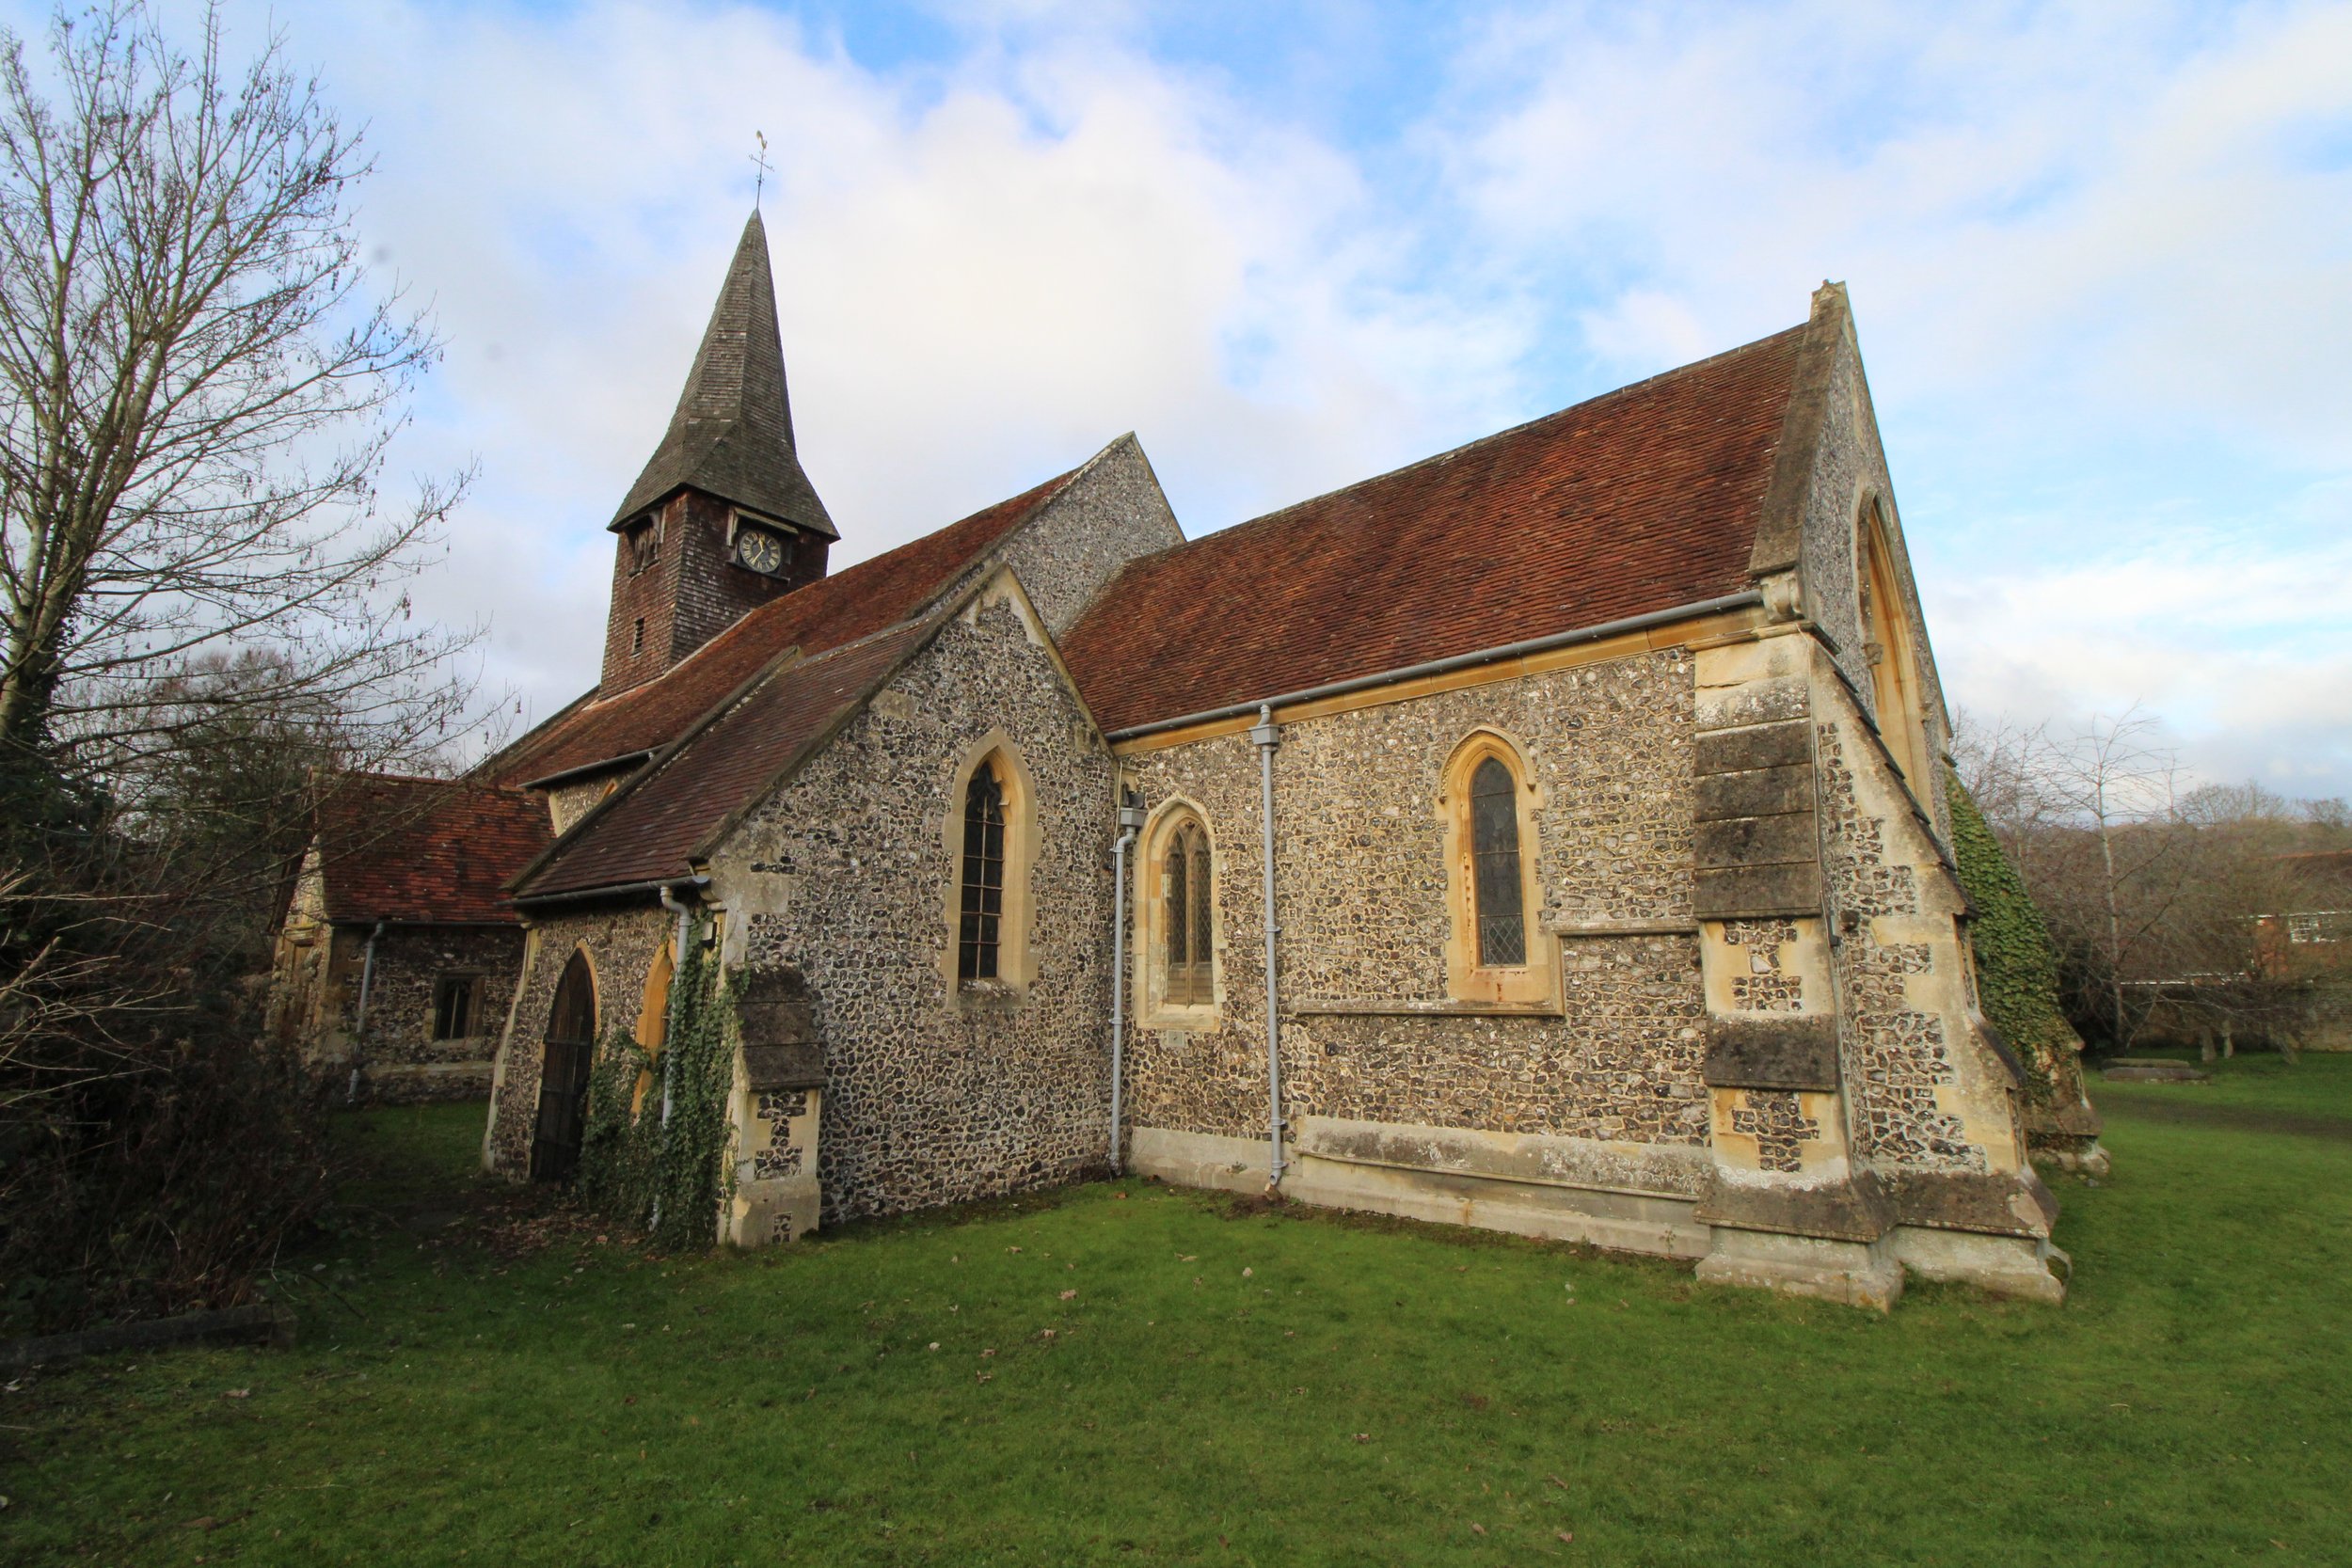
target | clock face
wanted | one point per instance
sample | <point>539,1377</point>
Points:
<point>759,549</point>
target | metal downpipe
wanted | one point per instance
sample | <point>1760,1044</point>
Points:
<point>1130,819</point>
<point>684,914</point>
<point>359,1025</point>
<point>1266,735</point>
<point>669,1057</point>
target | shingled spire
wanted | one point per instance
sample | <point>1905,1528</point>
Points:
<point>722,519</point>
<point>731,435</point>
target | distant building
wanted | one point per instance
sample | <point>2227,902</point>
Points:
<point>399,952</point>
<point>1611,891</point>
<point>2313,943</point>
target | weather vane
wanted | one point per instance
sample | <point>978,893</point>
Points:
<point>759,161</point>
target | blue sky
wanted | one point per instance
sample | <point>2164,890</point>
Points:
<point>2099,256</point>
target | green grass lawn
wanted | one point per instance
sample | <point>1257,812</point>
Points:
<point>1124,1373</point>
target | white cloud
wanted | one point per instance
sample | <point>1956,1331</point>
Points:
<point>2245,652</point>
<point>2093,213</point>
<point>2097,252</point>
<point>983,277</point>
<point>2090,250</point>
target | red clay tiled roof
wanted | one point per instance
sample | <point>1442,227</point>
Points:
<point>829,613</point>
<point>649,831</point>
<point>1641,499</point>
<point>425,849</point>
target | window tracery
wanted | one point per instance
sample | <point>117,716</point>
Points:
<point>1495,953</point>
<point>979,936</point>
<point>1190,952</point>
<point>1495,848</point>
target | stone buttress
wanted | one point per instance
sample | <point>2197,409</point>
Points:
<point>1862,1118</point>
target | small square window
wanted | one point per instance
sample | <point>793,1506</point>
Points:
<point>453,1007</point>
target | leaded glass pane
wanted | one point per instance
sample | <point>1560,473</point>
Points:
<point>1202,947</point>
<point>1494,853</point>
<point>1179,922</point>
<point>1189,972</point>
<point>983,901</point>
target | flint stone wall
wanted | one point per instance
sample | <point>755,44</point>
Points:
<point>568,802</point>
<point>403,1063</point>
<point>1850,465</point>
<point>1361,897</point>
<point>1109,516</point>
<point>845,874</point>
<point>1895,1057</point>
<point>621,941</point>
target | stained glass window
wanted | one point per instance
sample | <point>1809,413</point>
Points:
<point>1495,852</point>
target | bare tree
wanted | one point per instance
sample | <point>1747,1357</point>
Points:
<point>203,617</point>
<point>2111,777</point>
<point>197,391</point>
<point>2000,764</point>
<point>2157,898</point>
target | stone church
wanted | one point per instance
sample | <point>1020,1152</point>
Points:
<point>1548,835</point>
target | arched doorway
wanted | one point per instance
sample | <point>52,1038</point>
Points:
<point>569,1051</point>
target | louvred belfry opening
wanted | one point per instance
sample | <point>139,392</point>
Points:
<point>723,518</point>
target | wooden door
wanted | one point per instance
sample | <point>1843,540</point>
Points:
<point>569,1051</point>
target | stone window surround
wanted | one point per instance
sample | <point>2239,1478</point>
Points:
<point>1015,966</point>
<point>1152,1009</point>
<point>653,1020</point>
<point>1889,645</point>
<point>1536,981</point>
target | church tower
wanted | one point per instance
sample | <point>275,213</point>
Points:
<point>721,520</point>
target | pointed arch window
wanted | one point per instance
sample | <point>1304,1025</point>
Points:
<point>989,831</point>
<point>1495,952</point>
<point>1191,949</point>
<point>979,932</point>
<point>1891,652</point>
<point>1175,914</point>
<point>1495,849</point>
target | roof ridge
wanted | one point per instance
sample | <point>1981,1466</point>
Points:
<point>926,626</point>
<point>761,613</point>
<point>1641,499</point>
<point>1451,453</point>
<point>379,775</point>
